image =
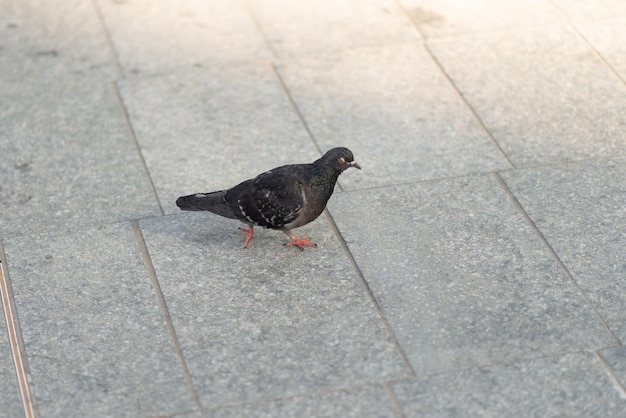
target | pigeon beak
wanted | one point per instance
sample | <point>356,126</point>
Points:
<point>355,165</point>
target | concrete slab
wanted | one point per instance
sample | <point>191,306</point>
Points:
<point>314,27</point>
<point>437,18</point>
<point>366,401</point>
<point>581,210</point>
<point>157,37</point>
<point>67,158</point>
<point>616,358</point>
<point>395,110</point>
<point>543,94</point>
<point>266,321</point>
<point>461,277</point>
<point>574,385</point>
<point>10,401</point>
<point>607,36</point>
<point>52,39</point>
<point>210,130</point>
<point>96,340</point>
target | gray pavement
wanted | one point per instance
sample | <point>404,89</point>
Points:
<point>476,266</point>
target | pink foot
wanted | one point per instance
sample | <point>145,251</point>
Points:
<point>301,242</point>
<point>249,234</point>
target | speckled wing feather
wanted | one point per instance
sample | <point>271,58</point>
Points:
<point>272,199</point>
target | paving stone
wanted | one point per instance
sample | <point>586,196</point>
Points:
<point>581,210</point>
<point>616,358</point>
<point>96,340</point>
<point>155,37</point>
<point>10,401</point>
<point>447,17</point>
<point>67,158</point>
<point>607,38</point>
<point>461,276</point>
<point>210,130</point>
<point>368,401</point>
<point>543,94</point>
<point>314,27</point>
<point>266,321</point>
<point>574,385</point>
<point>52,39</point>
<point>395,110</point>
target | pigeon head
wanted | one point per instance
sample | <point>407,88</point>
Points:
<point>339,159</point>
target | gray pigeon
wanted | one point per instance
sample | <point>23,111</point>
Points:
<point>283,198</point>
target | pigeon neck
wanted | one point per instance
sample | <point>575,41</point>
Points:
<point>322,174</point>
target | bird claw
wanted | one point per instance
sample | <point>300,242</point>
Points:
<point>301,243</point>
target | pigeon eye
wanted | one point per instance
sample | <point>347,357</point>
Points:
<point>341,160</point>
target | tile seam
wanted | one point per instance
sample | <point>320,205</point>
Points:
<point>467,104</point>
<point>294,106</point>
<point>109,39</point>
<point>370,293</point>
<point>589,45</point>
<point>259,28</point>
<point>145,255</point>
<point>16,342</point>
<point>395,402</point>
<point>133,135</point>
<point>554,254</point>
<point>412,21</point>
<point>611,374</point>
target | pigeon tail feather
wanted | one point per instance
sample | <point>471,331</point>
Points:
<point>212,202</point>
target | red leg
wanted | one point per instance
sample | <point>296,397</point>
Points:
<point>299,242</point>
<point>249,234</point>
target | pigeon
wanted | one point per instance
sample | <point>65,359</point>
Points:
<point>282,198</point>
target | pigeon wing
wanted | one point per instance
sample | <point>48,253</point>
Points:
<point>272,199</point>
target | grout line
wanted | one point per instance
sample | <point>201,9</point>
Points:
<point>260,29</point>
<point>467,103</point>
<point>612,376</point>
<point>129,125</point>
<point>555,255</point>
<point>145,254</point>
<point>369,292</point>
<point>395,403</point>
<point>298,113</point>
<point>15,339</point>
<point>295,107</point>
<point>107,35</point>
<point>598,55</point>
<point>416,25</point>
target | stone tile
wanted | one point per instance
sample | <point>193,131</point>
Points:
<point>395,110</point>
<point>574,385</point>
<point>10,401</point>
<point>461,276</point>
<point>446,17</point>
<point>67,158</point>
<point>52,39</point>
<point>165,35</point>
<point>581,210</point>
<point>266,321</point>
<point>95,338</point>
<point>544,95</point>
<point>210,130</point>
<point>607,38</point>
<point>367,401</point>
<point>314,27</point>
<point>616,358</point>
